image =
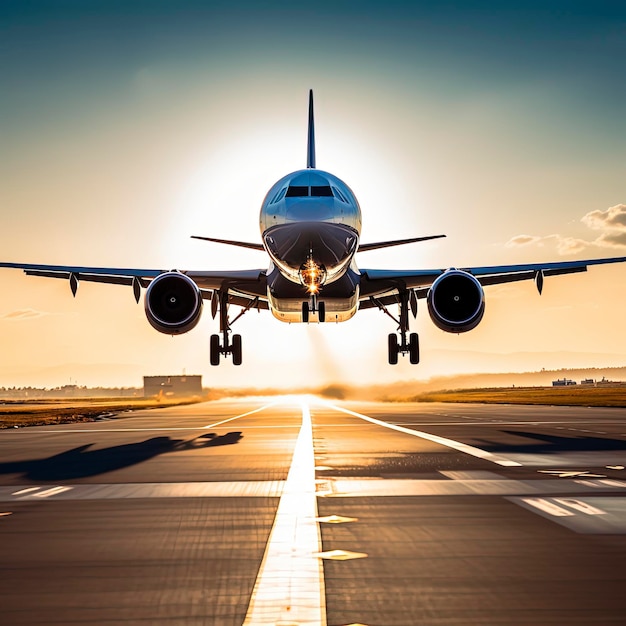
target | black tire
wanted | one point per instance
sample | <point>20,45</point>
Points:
<point>236,349</point>
<point>321,312</point>
<point>414,348</point>
<point>394,348</point>
<point>214,353</point>
<point>305,312</point>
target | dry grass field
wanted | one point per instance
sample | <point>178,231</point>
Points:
<point>15,413</point>
<point>562,396</point>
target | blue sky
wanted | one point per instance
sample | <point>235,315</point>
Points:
<point>125,127</point>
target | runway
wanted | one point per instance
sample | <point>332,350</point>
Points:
<point>297,510</point>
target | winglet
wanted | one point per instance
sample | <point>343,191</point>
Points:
<point>310,149</point>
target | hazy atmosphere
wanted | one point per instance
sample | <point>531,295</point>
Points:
<point>127,127</point>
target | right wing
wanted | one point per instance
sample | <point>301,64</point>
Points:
<point>388,283</point>
<point>364,247</point>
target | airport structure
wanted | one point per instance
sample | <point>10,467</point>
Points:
<point>563,382</point>
<point>172,386</point>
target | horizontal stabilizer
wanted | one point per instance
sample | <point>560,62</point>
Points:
<point>229,242</point>
<point>364,247</point>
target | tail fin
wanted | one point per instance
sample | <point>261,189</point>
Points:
<point>310,149</point>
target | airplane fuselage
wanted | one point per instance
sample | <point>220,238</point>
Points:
<point>310,225</point>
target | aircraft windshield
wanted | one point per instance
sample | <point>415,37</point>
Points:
<point>317,191</point>
<point>297,191</point>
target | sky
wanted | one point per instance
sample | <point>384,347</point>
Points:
<point>127,127</point>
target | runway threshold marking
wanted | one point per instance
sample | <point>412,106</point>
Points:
<point>24,491</point>
<point>289,588</point>
<point>53,491</point>
<point>450,443</point>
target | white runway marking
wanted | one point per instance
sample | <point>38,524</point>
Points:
<point>390,487</point>
<point>613,483</point>
<point>21,492</point>
<point>590,515</point>
<point>289,588</point>
<point>124,491</point>
<point>50,492</point>
<point>473,484</point>
<point>548,507</point>
<point>449,443</point>
<point>230,419</point>
<point>579,505</point>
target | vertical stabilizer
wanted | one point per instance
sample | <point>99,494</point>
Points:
<point>310,149</point>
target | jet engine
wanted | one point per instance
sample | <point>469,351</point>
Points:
<point>173,303</point>
<point>456,302</point>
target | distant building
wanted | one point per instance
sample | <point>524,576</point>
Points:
<point>563,382</point>
<point>172,386</point>
<point>588,381</point>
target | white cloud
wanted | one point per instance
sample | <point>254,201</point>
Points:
<point>611,222</point>
<point>570,245</point>
<point>22,314</point>
<point>523,240</point>
<point>614,218</point>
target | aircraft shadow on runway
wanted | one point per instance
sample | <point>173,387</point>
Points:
<point>553,444</point>
<point>82,461</point>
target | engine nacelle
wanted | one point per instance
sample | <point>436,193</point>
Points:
<point>456,302</point>
<point>173,303</point>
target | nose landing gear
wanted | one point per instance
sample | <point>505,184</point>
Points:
<point>313,306</point>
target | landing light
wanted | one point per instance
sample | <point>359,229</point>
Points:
<point>312,275</point>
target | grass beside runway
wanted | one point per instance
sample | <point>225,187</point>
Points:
<point>602,396</point>
<point>66,411</point>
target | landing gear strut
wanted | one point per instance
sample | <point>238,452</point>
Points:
<point>404,342</point>
<point>227,345</point>
<point>313,306</point>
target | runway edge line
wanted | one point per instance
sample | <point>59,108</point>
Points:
<point>449,443</point>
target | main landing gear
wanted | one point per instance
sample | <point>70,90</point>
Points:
<point>400,345</point>
<point>313,306</point>
<point>226,345</point>
<point>404,342</point>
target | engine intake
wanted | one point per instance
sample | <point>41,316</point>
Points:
<point>456,302</point>
<point>173,303</point>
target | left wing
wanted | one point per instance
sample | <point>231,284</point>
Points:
<point>377,282</point>
<point>230,242</point>
<point>238,283</point>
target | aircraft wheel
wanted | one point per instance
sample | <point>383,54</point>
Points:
<point>214,354</point>
<point>305,312</point>
<point>394,348</point>
<point>321,312</point>
<point>414,348</point>
<point>236,348</point>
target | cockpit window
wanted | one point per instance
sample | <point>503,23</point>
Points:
<point>339,195</point>
<point>279,196</point>
<point>297,191</point>
<point>321,191</point>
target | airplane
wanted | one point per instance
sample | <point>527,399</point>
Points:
<point>310,224</point>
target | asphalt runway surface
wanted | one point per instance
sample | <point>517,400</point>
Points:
<point>296,510</point>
